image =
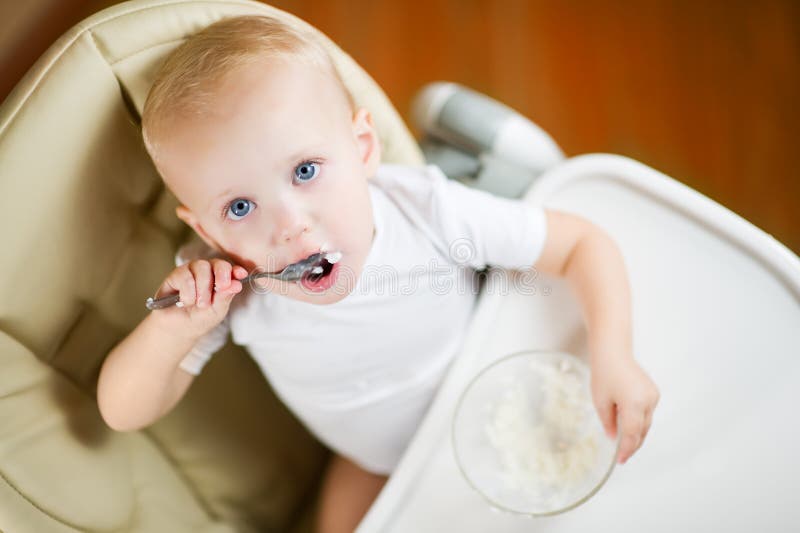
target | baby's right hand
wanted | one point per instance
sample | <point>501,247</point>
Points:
<point>206,289</point>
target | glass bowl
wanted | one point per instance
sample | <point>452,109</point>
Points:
<point>526,435</point>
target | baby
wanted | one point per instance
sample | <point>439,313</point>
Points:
<point>252,129</point>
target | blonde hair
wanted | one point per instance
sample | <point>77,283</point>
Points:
<point>185,84</point>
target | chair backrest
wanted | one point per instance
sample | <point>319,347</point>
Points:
<point>89,233</point>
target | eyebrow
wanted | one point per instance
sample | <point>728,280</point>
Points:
<point>216,199</point>
<point>226,192</point>
<point>291,159</point>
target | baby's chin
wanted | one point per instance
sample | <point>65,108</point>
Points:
<point>327,298</point>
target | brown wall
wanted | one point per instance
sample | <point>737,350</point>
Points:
<point>704,91</point>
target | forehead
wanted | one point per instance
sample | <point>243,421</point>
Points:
<point>281,81</point>
<point>260,115</point>
<point>279,97</point>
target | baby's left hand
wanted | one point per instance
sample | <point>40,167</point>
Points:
<point>619,382</point>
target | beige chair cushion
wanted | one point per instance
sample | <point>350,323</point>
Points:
<point>89,233</point>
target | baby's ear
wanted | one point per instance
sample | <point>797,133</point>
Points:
<point>185,214</point>
<point>366,136</point>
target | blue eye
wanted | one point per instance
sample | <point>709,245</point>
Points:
<point>306,171</point>
<point>238,209</point>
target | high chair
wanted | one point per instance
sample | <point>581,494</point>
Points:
<point>90,232</point>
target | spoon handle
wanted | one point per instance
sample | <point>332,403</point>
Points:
<point>175,298</point>
<point>292,272</point>
<point>165,301</point>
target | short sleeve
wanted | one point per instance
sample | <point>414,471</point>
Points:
<point>215,339</point>
<point>481,229</point>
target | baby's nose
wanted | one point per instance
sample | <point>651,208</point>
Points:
<point>290,224</point>
<point>293,233</point>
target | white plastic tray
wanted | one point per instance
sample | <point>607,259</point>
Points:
<point>716,305</point>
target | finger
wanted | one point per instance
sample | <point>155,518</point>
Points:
<point>202,279</point>
<point>607,413</point>
<point>648,421</point>
<point>631,428</point>
<point>239,272</point>
<point>222,300</point>
<point>627,446</point>
<point>182,280</point>
<point>169,285</point>
<point>222,274</point>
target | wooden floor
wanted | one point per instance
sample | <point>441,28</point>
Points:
<point>704,91</point>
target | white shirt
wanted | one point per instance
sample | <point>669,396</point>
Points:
<point>359,373</point>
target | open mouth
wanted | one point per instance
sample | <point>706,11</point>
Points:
<point>327,267</point>
<point>323,275</point>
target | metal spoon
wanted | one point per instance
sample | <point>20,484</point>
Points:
<point>294,272</point>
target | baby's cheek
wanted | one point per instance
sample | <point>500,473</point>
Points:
<point>240,262</point>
